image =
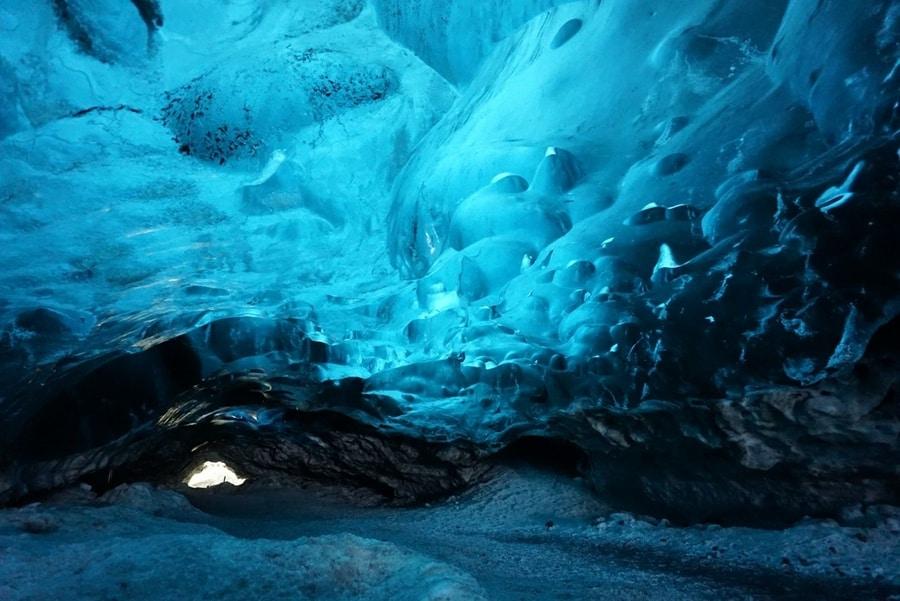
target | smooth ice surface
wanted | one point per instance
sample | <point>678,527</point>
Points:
<point>656,229</point>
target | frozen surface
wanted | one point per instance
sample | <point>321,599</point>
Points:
<point>663,231</point>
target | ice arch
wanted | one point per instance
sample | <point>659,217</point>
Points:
<point>425,230</point>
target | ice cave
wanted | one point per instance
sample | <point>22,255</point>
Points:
<point>449,300</point>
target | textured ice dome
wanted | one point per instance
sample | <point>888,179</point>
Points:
<point>639,226</point>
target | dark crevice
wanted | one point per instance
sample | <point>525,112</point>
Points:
<point>90,42</point>
<point>73,28</point>
<point>106,109</point>
<point>115,397</point>
<point>551,454</point>
<point>151,13</point>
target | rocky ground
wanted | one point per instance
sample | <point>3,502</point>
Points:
<point>527,534</point>
<point>137,549</point>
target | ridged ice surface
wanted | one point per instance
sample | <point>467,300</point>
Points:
<point>656,229</point>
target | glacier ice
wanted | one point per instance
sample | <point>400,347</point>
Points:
<point>663,231</point>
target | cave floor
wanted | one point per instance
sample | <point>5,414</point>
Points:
<point>531,534</point>
<point>527,534</point>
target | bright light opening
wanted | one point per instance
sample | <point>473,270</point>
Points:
<point>213,473</point>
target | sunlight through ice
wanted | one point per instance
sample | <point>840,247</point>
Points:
<point>214,473</point>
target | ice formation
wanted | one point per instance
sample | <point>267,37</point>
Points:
<point>380,241</point>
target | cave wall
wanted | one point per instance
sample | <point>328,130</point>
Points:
<point>662,231</point>
<point>455,37</point>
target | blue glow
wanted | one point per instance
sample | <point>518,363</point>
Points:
<point>636,225</point>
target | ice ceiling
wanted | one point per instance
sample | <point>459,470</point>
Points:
<point>663,231</point>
